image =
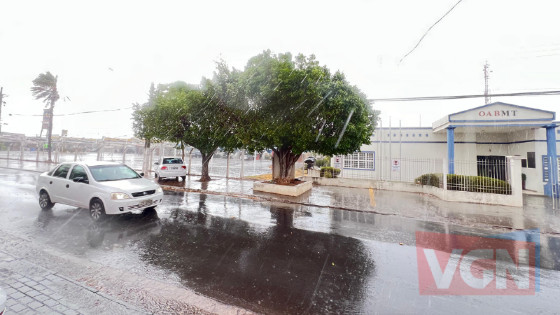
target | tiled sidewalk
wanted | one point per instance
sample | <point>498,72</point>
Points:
<point>32,289</point>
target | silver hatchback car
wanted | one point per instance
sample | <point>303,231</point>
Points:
<point>170,167</point>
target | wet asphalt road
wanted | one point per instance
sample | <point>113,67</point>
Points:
<point>270,258</point>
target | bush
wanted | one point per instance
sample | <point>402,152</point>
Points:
<point>329,172</point>
<point>429,179</point>
<point>467,183</point>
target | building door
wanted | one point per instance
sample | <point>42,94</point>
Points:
<point>493,166</point>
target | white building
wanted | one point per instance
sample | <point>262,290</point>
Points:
<point>470,142</point>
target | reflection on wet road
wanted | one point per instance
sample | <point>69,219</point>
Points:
<point>271,258</point>
<point>280,268</point>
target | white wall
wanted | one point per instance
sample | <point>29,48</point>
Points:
<point>416,147</point>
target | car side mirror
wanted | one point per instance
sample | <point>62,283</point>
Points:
<point>80,180</point>
<point>142,174</point>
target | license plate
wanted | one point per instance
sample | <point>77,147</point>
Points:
<point>174,168</point>
<point>145,203</point>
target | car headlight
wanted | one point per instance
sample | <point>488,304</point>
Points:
<point>119,196</point>
<point>159,190</point>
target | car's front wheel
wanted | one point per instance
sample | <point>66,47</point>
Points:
<point>96,210</point>
<point>45,200</point>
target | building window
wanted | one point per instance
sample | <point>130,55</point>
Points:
<point>426,135</point>
<point>531,160</point>
<point>524,163</point>
<point>359,160</point>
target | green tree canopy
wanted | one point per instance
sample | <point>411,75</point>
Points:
<point>295,105</point>
<point>195,116</point>
<point>286,104</point>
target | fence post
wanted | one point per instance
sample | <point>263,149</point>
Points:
<point>444,177</point>
<point>21,147</point>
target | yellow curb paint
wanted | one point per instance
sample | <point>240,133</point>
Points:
<point>371,197</point>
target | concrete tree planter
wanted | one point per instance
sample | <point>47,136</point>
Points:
<point>288,190</point>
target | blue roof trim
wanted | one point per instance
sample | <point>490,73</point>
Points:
<point>394,128</point>
<point>506,125</point>
<point>497,121</point>
<point>507,104</point>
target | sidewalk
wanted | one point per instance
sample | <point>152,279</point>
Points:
<point>34,289</point>
<point>43,280</point>
<point>537,211</point>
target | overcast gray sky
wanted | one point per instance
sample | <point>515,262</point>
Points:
<point>106,53</point>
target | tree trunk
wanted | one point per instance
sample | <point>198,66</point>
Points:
<point>283,167</point>
<point>146,165</point>
<point>183,151</point>
<point>205,161</point>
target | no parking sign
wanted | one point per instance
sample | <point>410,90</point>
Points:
<point>396,165</point>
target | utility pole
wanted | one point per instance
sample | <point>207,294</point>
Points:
<point>486,71</point>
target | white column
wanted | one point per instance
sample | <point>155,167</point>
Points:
<point>514,163</point>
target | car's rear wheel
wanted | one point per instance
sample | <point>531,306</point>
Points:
<point>45,200</point>
<point>96,210</point>
<point>184,178</point>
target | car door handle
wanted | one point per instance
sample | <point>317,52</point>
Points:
<point>67,186</point>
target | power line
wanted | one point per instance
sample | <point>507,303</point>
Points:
<point>79,113</point>
<point>429,29</point>
<point>455,97</point>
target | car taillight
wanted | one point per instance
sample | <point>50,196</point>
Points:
<point>184,167</point>
<point>164,167</point>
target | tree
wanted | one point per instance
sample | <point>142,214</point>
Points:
<point>45,87</point>
<point>195,116</point>
<point>142,127</point>
<point>296,105</point>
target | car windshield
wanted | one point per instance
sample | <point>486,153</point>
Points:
<point>104,173</point>
<point>172,161</point>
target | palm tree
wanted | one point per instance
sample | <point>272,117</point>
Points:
<point>44,87</point>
